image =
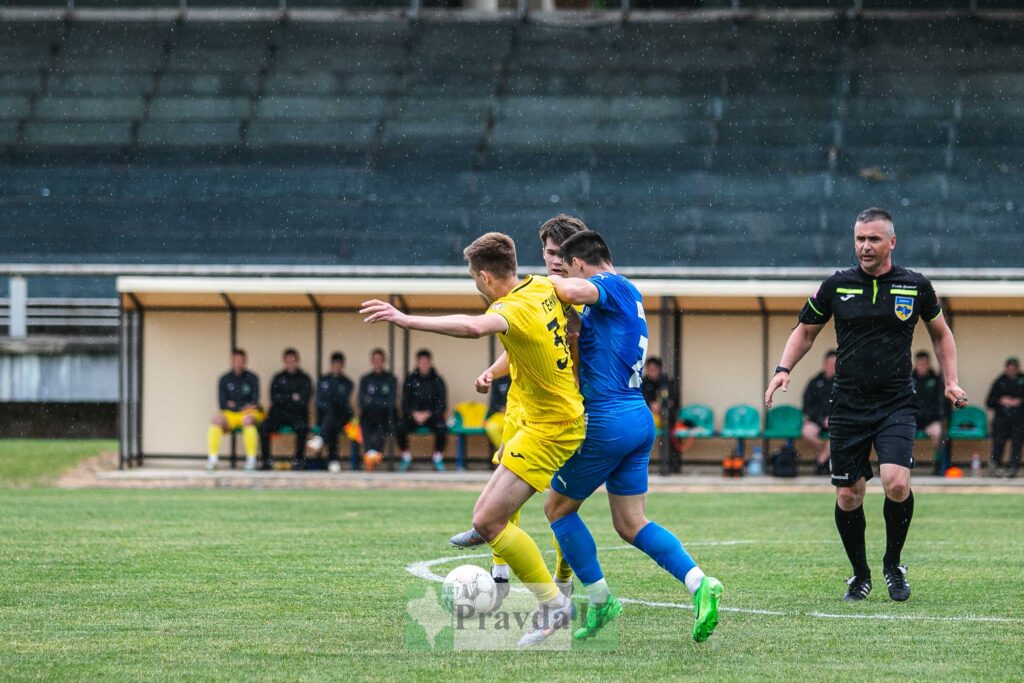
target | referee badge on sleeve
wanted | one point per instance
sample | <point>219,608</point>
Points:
<point>904,307</point>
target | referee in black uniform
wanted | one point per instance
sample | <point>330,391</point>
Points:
<point>876,306</point>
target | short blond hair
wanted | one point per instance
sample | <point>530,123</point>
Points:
<point>494,252</point>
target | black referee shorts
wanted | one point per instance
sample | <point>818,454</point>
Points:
<point>891,436</point>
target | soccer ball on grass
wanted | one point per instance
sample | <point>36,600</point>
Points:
<point>468,587</point>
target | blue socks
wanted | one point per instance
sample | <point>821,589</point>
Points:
<point>579,548</point>
<point>665,549</point>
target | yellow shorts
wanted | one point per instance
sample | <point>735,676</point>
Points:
<point>509,426</point>
<point>538,449</point>
<point>235,418</point>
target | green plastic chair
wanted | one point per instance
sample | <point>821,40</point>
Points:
<point>784,422</point>
<point>742,422</point>
<point>699,415</point>
<point>970,424</point>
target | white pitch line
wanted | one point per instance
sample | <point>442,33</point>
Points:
<point>423,570</point>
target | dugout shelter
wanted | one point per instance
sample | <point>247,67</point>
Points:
<point>719,334</point>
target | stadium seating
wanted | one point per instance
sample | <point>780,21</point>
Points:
<point>467,420</point>
<point>168,139</point>
<point>701,416</point>
<point>784,422</point>
<point>969,423</point>
<point>742,422</point>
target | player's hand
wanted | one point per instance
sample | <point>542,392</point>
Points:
<point>957,395</point>
<point>779,381</point>
<point>380,311</point>
<point>482,384</point>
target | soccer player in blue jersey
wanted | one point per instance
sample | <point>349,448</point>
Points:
<point>620,435</point>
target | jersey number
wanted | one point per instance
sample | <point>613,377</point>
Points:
<point>556,330</point>
<point>635,380</point>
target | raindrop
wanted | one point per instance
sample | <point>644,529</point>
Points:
<point>904,202</point>
<point>553,199</point>
<point>1009,206</point>
<point>45,192</point>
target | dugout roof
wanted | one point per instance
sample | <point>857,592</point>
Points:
<point>452,294</point>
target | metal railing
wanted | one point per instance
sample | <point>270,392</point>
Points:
<point>58,315</point>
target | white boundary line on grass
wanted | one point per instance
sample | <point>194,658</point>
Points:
<point>423,569</point>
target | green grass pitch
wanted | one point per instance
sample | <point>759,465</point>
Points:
<point>312,585</point>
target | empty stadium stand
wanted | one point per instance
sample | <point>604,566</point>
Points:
<point>328,142</point>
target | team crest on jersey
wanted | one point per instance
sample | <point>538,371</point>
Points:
<point>904,307</point>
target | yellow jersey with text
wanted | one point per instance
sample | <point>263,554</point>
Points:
<point>539,360</point>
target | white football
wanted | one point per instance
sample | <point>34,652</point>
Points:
<point>468,586</point>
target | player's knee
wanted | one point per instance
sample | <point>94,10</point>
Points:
<point>627,529</point>
<point>849,499</point>
<point>897,490</point>
<point>219,421</point>
<point>811,432</point>
<point>556,507</point>
<point>248,421</point>
<point>487,525</point>
<point>552,510</point>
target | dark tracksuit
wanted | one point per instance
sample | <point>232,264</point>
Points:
<point>499,395</point>
<point>378,394</point>
<point>424,392</point>
<point>662,392</point>
<point>333,409</point>
<point>930,392</point>
<point>234,392</point>
<point>818,399</point>
<point>932,406</point>
<point>1007,423</point>
<point>286,411</point>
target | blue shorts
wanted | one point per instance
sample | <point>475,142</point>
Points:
<point>616,452</point>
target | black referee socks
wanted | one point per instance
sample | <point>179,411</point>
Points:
<point>851,529</point>
<point>897,523</point>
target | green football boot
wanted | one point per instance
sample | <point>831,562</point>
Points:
<point>598,616</point>
<point>705,608</point>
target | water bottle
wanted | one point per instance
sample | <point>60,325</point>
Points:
<point>976,464</point>
<point>755,467</point>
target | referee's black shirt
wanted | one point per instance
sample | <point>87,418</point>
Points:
<point>875,319</point>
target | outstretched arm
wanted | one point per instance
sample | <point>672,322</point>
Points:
<point>575,290</point>
<point>799,343</point>
<point>469,326</point>
<point>945,351</point>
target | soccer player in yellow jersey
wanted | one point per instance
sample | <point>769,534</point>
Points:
<point>552,233</point>
<point>530,321</point>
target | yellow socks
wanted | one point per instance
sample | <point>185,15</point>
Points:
<point>521,553</point>
<point>514,519</point>
<point>563,572</point>
<point>251,439</point>
<point>213,441</point>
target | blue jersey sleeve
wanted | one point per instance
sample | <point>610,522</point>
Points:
<point>602,291</point>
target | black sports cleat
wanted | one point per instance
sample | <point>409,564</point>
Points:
<point>858,588</point>
<point>896,580</point>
